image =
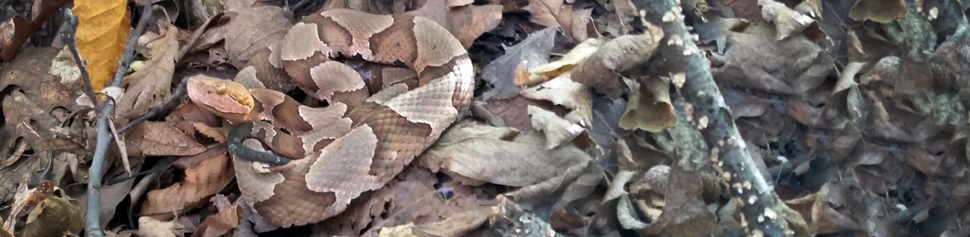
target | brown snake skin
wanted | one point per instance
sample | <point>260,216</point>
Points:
<point>325,157</point>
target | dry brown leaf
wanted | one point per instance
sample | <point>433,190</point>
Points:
<point>55,216</point>
<point>758,61</point>
<point>600,71</point>
<point>465,21</point>
<point>27,126</point>
<point>160,139</point>
<point>514,111</point>
<point>500,156</point>
<point>28,110</point>
<point>249,31</point>
<point>149,86</point>
<point>221,223</point>
<point>203,180</point>
<point>649,108</point>
<point>685,213</point>
<point>882,11</point>
<point>151,227</point>
<point>101,36</point>
<point>565,92</point>
<point>557,130</point>
<point>554,13</point>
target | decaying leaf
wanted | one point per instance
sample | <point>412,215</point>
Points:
<point>786,20</point>
<point>221,223</point>
<point>151,227</point>
<point>101,36</point>
<point>500,156</point>
<point>160,139</point>
<point>513,111</point>
<point>151,85</point>
<point>649,108</point>
<point>758,61</point>
<point>553,13</point>
<point>601,70</point>
<point>203,180</point>
<point>457,225</point>
<point>55,216</point>
<point>249,31</point>
<point>571,95</point>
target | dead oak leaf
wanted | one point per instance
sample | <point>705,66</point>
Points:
<point>554,13</point>
<point>202,181</point>
<point>150,85</point>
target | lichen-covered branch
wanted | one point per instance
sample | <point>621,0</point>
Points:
<point>762,209</point>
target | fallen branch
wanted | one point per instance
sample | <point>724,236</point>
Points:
<point>92,226</point>
<point>762,210</point>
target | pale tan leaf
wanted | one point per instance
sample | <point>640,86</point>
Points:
<point>149,86</point>
<point>160,139</point>
<point>500,156</point>
<point>649,108</point>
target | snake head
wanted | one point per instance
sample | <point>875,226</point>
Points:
<point>223,97</point>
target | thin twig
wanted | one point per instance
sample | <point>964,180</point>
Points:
<point>92,224</point>
<point>68,37</point>
<point>762,208</point>
<point>169,102</point>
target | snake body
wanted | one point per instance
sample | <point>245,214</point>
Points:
<point>324,157</point>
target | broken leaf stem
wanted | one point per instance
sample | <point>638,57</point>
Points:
<point>761,208</point>
<point>92,225</point>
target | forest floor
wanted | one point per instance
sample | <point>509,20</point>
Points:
<point>589,118</point>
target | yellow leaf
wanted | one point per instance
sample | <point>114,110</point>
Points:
<point>101,35</point>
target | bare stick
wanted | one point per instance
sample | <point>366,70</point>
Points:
<point>762,209</point>
<point>69,39</point>
<point>92,225</point>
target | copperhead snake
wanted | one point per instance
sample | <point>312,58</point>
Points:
<point>324,157</point>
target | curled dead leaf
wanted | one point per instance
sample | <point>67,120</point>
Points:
<point>203,180</point>
<point>601,70</point>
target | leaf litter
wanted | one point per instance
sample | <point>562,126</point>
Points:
<point>853,112</point>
